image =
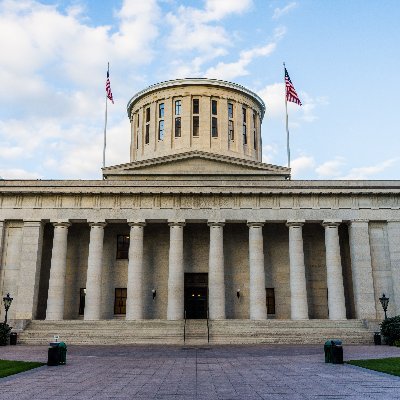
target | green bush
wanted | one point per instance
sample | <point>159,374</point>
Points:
<point>390,329</point>
<point>5,330</point>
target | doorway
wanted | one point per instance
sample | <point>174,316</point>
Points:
<point>196,295</point>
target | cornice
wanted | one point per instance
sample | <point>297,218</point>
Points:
<point>197,82</point>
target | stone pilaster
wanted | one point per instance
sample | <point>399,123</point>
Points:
<point>258,308</point>
<point>361,268</point>
<point>56,293</point>
<point>94,272</point>
<point>29,271</point>
<point>334,274</point>
<point>2,228</point>
<point>298,287</point>
<point>393,230</point>
<point>175,308</point>
<point>216,278</point>
<point>134,301</point>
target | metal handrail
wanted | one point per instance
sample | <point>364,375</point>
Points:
<point>208,328</point>
<point>184,329</point>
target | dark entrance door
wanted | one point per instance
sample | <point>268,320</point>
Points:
<point>196,288</point>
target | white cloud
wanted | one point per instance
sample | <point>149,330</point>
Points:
<point>302,164</point>
<point>331,168</point>
<point>18,173</point>
<point>218,9</point>
<point>279,12</point>
<point>238,68</point>
<point>269,151</point>
<point>370,172</point>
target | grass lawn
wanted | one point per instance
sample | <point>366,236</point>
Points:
<point>388,365</point>
<point>14,367</point>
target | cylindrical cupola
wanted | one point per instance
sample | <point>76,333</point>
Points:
<point>183,115</point>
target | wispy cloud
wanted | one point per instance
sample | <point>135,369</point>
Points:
<point>279,12</point>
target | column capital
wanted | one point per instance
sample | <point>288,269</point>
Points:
<point>332,223</point>
<point>215,223</point>
<point>297,223</point>
<point>60,224</point>
<point>358,221</point>
<point>393,221</point>
<point>176,223</point>
<point>253,224</point>
<point>33,223</point>
<point>97,224</point>
<point>137,223</point>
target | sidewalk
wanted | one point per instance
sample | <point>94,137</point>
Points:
<point>205,372</point>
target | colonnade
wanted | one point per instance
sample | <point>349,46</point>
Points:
<point>175,308</point>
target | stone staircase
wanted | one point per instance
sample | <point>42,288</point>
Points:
<point>196,332</point>
<point>119,332</point>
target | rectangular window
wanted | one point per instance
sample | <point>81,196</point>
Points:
<point>196,106</point>
<point>255,131</point>
<point>82,297</point>
<point>270,293</point>
<point>178,127</point>
<point>214,107</point>
<point>137,131</point>
<point>147,137</point>
<point>231,130</point>
<point>161,110</point>
<point>178,106</point>
<point>214,127</point>
<point>230,110</point>
<point>148,114</point>
<point>122,247</point>
<point>196,125</point>
<point>244,110</point>
<point>161,130</point>
<point>120,301</point>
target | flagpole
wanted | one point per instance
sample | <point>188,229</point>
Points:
<point>105,125</point>
<point>287,120</point>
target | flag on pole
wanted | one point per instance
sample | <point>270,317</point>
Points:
<point>291,94</point>
<point>108,87</point>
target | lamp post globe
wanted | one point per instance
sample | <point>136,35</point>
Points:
<point>7,300</point>
<point>384,301</point>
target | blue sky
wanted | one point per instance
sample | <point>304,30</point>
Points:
<point>342,57</point>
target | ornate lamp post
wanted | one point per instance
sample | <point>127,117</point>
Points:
<point>7,300</point>
<point>384,301</point>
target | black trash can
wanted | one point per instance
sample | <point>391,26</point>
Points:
<point>13,338</point>
<point>337,352</point>
<point>53,358</point>
<point>377,338</point>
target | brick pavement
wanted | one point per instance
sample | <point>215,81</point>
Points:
<point>189,373</point>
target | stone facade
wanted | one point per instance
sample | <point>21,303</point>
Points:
<point>210,207</point>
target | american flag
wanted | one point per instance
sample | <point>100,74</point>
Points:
<point>108,87</point>
<point>291,94</point>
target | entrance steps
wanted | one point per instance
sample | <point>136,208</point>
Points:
<point>196,332</point>
<point>109,332</point>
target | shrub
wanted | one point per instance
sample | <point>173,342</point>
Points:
<point>390,329</point>
<point>5,330</point>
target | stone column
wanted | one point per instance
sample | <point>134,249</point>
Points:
<point>258,307</point>
<point>175,308</point>
<point>393,230</point>
<point>29,272</point>
<point>94,272</point>
<point>334,274</point>
<point>56,293</point>
<point>1,242</point>
<point>216,278</point>
<point>361,268</point>
<point>298,287</point>
<point>134,301</point>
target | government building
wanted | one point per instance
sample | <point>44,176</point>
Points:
<point>197,238</point>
